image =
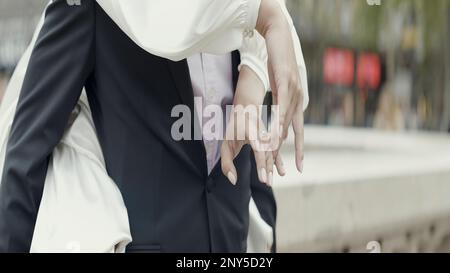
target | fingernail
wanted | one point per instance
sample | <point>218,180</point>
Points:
<point>232,178</point>
<point>263,175</point>
<point>271,179</point>
<point>301,166</point>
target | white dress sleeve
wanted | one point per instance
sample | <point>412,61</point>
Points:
<point>254,55</point>
<point>177,29</point>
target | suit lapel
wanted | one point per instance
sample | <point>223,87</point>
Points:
<point>194,149</point>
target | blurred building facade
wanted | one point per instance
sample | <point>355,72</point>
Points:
<point>411,38</point>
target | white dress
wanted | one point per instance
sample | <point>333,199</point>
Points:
<point>81,208</point>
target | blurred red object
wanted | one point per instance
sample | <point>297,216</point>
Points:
<point>369,71</point>
<point>338,67</point>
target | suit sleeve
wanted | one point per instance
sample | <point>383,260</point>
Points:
<point>60,63</point>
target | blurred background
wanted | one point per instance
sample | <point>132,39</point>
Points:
<point>385,66</point>
<point>377,167</point>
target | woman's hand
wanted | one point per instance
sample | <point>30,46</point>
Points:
<point>247,127</point>
<point>283,73</point>
<point>287,95</point>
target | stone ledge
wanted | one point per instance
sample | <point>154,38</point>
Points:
<point>361,186</point>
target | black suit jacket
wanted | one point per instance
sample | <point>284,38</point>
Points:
<point>173,204</point>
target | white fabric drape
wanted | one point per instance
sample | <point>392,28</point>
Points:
<point>176,29</point>
<point>199,27</point>
<point>82,209</point>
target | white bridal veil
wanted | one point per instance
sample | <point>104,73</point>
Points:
<point>82,209</point>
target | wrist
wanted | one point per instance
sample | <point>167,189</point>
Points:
<point>250,89</point>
